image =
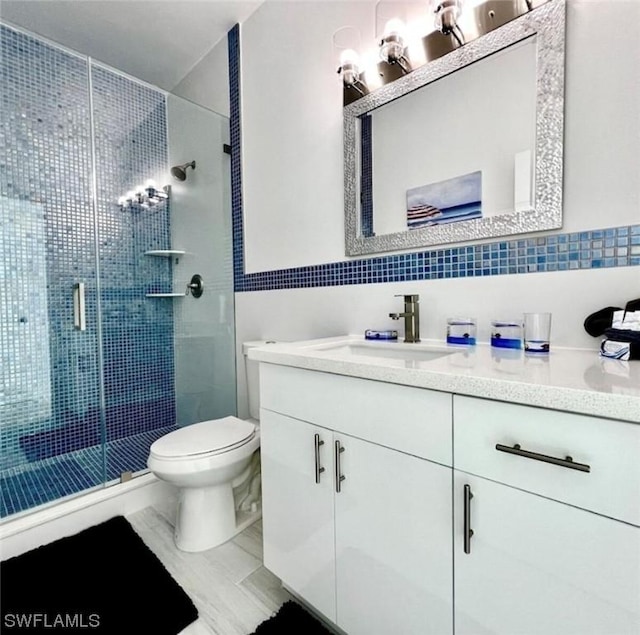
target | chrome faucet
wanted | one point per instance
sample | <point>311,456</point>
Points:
<point>411,317</point>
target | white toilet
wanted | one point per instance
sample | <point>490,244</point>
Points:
<point>206,461</point>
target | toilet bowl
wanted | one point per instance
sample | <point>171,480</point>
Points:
<point>205,461</point>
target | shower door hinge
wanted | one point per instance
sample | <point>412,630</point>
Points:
<point>226,148</point>
<point>126,476</point>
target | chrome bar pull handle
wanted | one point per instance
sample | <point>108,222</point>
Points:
<point>79,315</point>
<point>317,443</point>
<point>566,462</point>
<point>339,476</point>
<point>468,532</point>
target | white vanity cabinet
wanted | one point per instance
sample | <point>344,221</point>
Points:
<point>462,510</point>
<point>367,541</point>
<point>539,567</point>
<point>560,554</point>
<point>297,520</point>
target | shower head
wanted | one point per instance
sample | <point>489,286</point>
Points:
<point>180,171</point>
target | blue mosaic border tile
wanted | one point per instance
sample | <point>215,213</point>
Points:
<point>595,249</point>
<point>237,226</point>
<point>366,175</point>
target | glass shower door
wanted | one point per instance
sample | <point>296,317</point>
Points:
<point>50,423</point>
<point>204,327</point>
<point>102,351</point>
<point>130,129</point>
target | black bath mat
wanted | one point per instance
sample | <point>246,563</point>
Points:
<point>102,580</point>
<point>292,618</point>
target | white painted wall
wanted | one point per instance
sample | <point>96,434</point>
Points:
<point>293,181</point>
<point>292,131</point>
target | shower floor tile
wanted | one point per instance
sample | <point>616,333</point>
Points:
<point>44,481</point>
<point>41,484</point>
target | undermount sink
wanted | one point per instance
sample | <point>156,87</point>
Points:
<point>386,350</point>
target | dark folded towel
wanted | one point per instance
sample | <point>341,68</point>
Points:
<point>598,322</point>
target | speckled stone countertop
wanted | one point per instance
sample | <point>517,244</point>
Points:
<point>571,380</point>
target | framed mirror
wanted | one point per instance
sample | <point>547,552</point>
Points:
<point>466,147</point>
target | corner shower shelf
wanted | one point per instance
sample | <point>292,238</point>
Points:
<point>165,295</point>
<point>167,253</point>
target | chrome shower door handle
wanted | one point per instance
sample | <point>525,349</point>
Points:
<point>468,532</point>
<point>317,443</point>
<point>79,314</point>
<point>339,476</point>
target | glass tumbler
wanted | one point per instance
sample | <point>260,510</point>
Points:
<point>537,331</point>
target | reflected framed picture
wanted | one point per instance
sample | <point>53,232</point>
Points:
<point>448,201</point>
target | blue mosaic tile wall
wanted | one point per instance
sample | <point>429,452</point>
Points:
<point>58,385</point>
<point>137,332</point>
<point>611,247</point>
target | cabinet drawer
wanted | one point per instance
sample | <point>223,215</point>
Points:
<point>610,449</point>
<point>412,420</point>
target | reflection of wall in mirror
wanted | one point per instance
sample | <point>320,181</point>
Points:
<point>480,118</point>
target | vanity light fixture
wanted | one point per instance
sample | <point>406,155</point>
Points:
<point>144,196</point>
<point>447,13</point>
<point>351,73</point>
<point>393,46</point>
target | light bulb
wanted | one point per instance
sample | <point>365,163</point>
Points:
<point>130,195</point>
<point>122,201</point>
<point>349,67</point>
<point>150,185</point>
<point>139,190</point>
<point>395,26</point>
<point>392,44</point>
<point>349,56</point>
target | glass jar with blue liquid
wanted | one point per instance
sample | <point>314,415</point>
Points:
<point>461,331</point>
<point>506,334</point>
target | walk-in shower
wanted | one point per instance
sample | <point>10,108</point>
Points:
<point>101,349</point>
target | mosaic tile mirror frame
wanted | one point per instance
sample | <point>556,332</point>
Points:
<point>545,24</point>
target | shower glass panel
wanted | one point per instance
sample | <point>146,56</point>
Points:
<point>204,335</point>
<point>82,400</point>
<point>50,421</point>
<point>130,130</point>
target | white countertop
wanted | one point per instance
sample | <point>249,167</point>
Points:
<point>572,380</point>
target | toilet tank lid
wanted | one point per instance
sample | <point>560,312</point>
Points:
<point>247,345</point>
<point>204,437</point>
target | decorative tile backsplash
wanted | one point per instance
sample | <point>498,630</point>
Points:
<point>611,247</point>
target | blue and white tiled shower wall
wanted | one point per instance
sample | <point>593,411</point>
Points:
<point>70,399</point>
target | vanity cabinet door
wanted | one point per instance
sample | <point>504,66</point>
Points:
<point>297,519</point>
<point>539,567</point>
<point>393,542</point>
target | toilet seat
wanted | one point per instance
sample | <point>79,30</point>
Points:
<point>206,438</point>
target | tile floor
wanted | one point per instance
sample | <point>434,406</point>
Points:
<point>231,589</point>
